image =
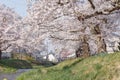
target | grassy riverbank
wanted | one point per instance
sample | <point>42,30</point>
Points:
<point>101,67</point>
<point>11,65</point>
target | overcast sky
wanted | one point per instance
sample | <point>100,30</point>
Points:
<point>18,5</point>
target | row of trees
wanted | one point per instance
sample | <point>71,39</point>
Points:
<point>59,26</point>
<point>78,26</point>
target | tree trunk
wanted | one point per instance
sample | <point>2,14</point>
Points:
<point>83,50</point>
<point>101,45</point>
<point>0,54</point>
<point>79,52</point>
<point>86,50</point>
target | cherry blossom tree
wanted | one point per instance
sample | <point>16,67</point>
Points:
<point>8,33</point>
<point>70,24</point>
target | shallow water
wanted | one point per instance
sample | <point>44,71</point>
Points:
<point>12,76</point>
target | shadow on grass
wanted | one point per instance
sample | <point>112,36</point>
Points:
<point>73,64</point>
<point>15,63</point>
<point>47,63</point>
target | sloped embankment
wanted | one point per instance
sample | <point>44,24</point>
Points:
<point>101,67</point>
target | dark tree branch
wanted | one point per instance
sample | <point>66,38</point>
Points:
<point>55,37</point>
<point>6,47</point>
<point>107,12</point>
<point>92,5</point>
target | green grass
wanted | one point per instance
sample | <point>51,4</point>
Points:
<point>11,65</point>
<point>101,67</point>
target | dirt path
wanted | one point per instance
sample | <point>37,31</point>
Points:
<point>12,76</point>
